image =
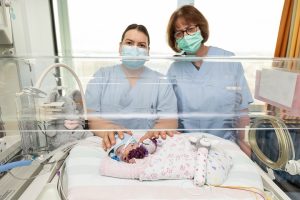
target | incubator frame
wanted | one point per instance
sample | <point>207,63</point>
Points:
<point>285,142</point>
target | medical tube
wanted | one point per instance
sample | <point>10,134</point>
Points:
<point>9,166</point>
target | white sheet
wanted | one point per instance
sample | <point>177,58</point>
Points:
<point>84,181</point>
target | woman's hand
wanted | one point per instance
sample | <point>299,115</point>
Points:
<point>107,131</point>
<point>108,137</point>
<point>156,134</point>
<point>161,124</point>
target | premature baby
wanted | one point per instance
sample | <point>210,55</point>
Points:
<point>177,157</point>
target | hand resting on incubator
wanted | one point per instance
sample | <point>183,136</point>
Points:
<point>177,157</point>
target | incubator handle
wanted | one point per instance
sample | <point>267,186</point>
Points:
<point>293,167</point>
<point>2,145</point>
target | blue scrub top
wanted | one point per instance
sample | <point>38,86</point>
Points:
<point>209,99</point>
<point>110,96</point>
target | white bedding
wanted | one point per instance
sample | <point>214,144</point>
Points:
<point>85,182</point>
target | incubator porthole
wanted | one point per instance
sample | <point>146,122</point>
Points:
<point>265,139</point>
<point>282,148</point>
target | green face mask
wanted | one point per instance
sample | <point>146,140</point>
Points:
<point>190,43</point>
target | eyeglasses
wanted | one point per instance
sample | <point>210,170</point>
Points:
<point>189,30</point>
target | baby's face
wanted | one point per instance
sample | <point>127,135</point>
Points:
<point>123,152</point>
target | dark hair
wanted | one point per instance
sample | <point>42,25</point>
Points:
<point>191,15</point>
<point>138,27</point>
<point>139,153</point>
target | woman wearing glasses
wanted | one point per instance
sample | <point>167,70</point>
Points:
<point>212,96</point>
<point>129,95</point>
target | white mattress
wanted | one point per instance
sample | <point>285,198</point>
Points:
<point>85,182</point>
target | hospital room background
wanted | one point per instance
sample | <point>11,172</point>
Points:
<point>49,46</point>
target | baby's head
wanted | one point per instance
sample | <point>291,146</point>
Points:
<point>127,149</point>
<point>145,148</point>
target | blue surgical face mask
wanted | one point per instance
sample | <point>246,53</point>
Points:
<point>190,43</point>
<point>133,51</point>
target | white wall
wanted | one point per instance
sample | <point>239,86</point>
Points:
<point>32,35</point>
<point>31,26</point>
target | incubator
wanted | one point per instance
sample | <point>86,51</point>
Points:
<point>50,151</point>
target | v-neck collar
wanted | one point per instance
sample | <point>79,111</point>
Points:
<point>203,68</point>
<point>121,74</point>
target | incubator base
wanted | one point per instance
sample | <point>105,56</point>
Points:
<point>12,188</point>
<point>45,185</point>
<point>12,148</point>
<point>273,191</point>
<point>49,192</point>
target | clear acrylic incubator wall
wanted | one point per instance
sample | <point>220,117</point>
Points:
<point>248,108</point>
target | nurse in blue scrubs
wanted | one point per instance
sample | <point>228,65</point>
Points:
<point>131,96</point>
<point>212,97</point>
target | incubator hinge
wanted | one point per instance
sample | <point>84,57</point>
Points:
<point>270,173</point>
<point>293,167</point>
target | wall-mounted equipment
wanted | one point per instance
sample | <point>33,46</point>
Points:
<point>279,88</point>
<point>5,23</point>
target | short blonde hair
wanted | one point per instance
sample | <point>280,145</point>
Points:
<point>191,15</point>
